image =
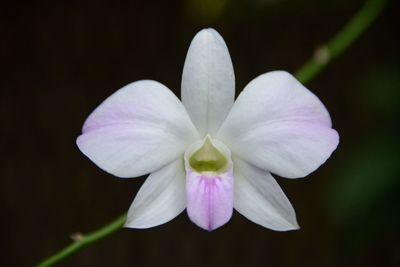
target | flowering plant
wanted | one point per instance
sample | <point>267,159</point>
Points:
<point>209,154</point>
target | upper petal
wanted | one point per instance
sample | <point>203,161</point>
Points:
<point>279,125</point>
<point>160,199</point>
<point>260,199</point>
<point>208,82</point>
<point>138,129</point>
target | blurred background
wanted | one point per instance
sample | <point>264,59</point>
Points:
<point>60,59</point>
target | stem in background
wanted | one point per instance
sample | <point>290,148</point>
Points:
<point>354,28</point>
<point>349,33</point>
<point>84,240</point>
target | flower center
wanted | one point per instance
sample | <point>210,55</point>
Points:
<point>208,158</point>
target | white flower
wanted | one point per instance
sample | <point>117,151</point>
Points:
<point>209,154</point>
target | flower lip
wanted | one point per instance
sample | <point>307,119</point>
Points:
<point>206,157</point>
<point>209,191</point>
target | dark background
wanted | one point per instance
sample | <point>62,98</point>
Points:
<point>60,59</point>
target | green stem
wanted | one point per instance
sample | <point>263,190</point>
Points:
<point>354,28</point>
<point>85,240</point>
<point>350,32</point>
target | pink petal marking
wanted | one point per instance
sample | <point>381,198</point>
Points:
<point>209,198</point>
<point>279,126</point>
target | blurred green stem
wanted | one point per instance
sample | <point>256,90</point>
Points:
<point>82,240</point>
<point>354,28</point>
<point>338,44</point>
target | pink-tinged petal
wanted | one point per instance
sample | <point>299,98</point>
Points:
<point>137,130</point>
<point>161,198</point>
<point>278,125</point>
<point>209,199</point>
<point>209,195</point>
<point>208,81</point>
<point>260,199</point>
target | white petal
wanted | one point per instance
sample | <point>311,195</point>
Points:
<point>279,125</point>
<point>160,199</point>
<point>260,199</point>
<point>138,129</point>
<point>208,82</point>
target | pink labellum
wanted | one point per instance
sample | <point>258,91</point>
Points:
<point>209,199</point>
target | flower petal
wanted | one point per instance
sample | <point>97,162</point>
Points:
<point>160,199</point>
<point>260,199</point>
<point>137,130</point>
<point>279,125</point>
<point>208,82</point>
<point>209,195</point>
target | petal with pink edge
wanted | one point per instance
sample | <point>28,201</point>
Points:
<point>209,195</point>
<point>137,130</point>
<point>278,125</point>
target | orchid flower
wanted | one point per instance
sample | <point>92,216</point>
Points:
<point>210,154</point>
